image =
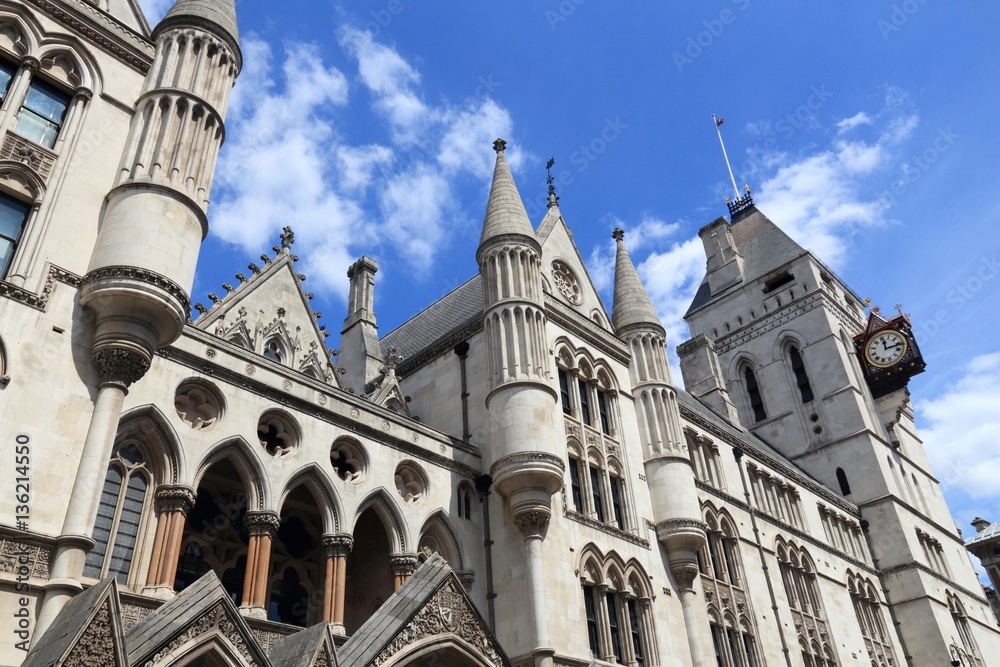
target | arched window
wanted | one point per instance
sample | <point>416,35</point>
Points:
<point>753,393</point>
<point>466,501</point>
<point>967,651</point>
<point>13,215</point>
<point>845,486</point>
<point>801,379</point>
<point>868,611</point>
<point>597,492</point>
<point>272,351</point>
<point>575,482</point>
<point>799,578</point>
<point>119,514</point>
<point>617,610</point>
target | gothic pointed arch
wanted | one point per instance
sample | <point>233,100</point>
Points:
<point>438,534</point>
<point>148,424</point>
<point>592,564</point>
<point>245,460</point>
<point>318,482</point>
<point>19,31</point>
<point>392,519</point>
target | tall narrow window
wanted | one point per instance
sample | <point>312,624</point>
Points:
<point>753,391</point>
<point>616,500</point>
<point>272,351</point>
<point>12,217</point>
<point>801,379</point>
<point>42,114</point>
<point>584,402</point>
<point>636,630</point>
<point>616,637</point>
<point>720,655</point>
<point>595,488</point>
<point>118,516</point>
<point>7,72</point>
<point>567,407</point>
<point>574,480</point>
<point>602,407</point>
<point>734,647</point>
<point>845,486</point>
<point>589,592</point>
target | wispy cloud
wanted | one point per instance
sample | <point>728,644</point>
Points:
<point>155,9</point>
<point>848,124</point>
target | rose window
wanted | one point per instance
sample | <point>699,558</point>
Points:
<point>566,282</point>
<point>277,434</point>
<point>198,404</point>
<point>410,482</point>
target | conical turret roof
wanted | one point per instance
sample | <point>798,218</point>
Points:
<point>219,16</point>
<point>632,304</point>
<point>505,214</point>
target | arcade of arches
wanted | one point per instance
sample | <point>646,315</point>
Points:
<point>282,567</point>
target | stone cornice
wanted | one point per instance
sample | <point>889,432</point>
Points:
<point>773,463</point>
<point>575,323</point>
<point>787,528</point>
<point>40,301</point>
<point>943,579</point>
<point>899,501</point>
<point>605,528</point>
<point>100,28</point>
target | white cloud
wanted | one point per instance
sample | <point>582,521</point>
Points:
<point>860,118</point>
<point>413,207</point>
<point>155,9</point>
<point>964,429</point>
<point>358,164</point>
<point>467,130</point>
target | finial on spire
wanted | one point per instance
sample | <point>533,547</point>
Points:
<point>499,145</point>
<point>287,238</point>
<point>553,200</point>
<point>618,234</point>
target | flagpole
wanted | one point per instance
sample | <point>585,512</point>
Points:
<point>725,155</point>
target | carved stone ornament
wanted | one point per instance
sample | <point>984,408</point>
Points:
<point>526,457</point>
<point>18,557</point>
<point>467,577</point>
<point>216,620</point>
<point>447,612</point>
<point>96,646</point>
<point>685,575</point>
<point>533,523</point>
<point>566,282</point>
<point>175,499</point>
<point>338,545</point>
<point>403,565</point>
<point>117,366</point>
<point>140,275</point>
<point>262,523</point>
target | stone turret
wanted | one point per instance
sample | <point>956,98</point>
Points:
<point>679,526</point>
<point>142,268</point>
<point>525,450</point>
<point>360,355</point>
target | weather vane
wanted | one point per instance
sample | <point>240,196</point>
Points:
<point>551,181</point>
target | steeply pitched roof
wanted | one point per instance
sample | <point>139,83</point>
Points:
<point>60,639</point>
<point>303,647</point>
<point>632,305</point>
<point>405,604</point>
<point>451,313</point>
<point>505,214</point>
<point>764,247</point>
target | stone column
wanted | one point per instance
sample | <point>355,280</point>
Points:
<point>685,575</point>
<point>533,524</point>
<point>403,566</point>
<point>262,527</point>
<point>172,506</point>
<point>335,548</point>
<point>652,651</point>
<point>117,369</point>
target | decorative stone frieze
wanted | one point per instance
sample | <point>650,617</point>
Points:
<point>119,366</point>
<point>262,522</point>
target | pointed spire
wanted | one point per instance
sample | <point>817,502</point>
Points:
<point>505,214</point>
<point>217,16</point>
<point>632,304</point>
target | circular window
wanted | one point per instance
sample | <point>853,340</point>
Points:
<point>566,282</point>
<point>278,433</point>
<point>199,404</point>
<point>411,482</point>
<point>348,460</point>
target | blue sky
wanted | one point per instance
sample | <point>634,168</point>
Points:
<point>868,131</point>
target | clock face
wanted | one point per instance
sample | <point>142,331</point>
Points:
<point>885,348</point>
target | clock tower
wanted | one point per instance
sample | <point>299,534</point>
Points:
<point>789,343</point>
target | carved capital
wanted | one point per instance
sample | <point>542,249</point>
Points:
<point>532,523</point>
<point>118,366</point>
<point>84,93</point>
<point>31,63</point>
<point>403,565</point>
<point>685,575</point>
<point>175,499</point>
<point>467,577</point>
<point>338,545</point>
<point>262,523</point>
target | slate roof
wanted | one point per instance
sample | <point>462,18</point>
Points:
<point>989,533</point>
<point>300,648</point>
<point>173,617</point>
<point>764,248</point>
<point>452,312</point>
<point>73,618</point>
<point>365,644</point>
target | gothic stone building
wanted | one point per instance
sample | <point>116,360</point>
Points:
<point>512,477</point>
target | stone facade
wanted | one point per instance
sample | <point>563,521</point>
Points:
<point>233,475</point>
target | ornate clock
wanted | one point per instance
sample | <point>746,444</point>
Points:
<point>888,353</point>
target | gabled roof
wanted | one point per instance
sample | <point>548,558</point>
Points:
<point>93,614</point>
<point>204,599</point>
<point>303,648</point>
<point>449,314</point>
<point>271,303</point>
<point>431,602</point>
<point>764,247</point>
